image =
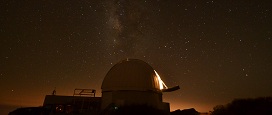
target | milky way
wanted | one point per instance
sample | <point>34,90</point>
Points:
<point>128,25</point>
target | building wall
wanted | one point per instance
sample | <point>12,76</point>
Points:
<point>69,104</point>
<point>123,98</point>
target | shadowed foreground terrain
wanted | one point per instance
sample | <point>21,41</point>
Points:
<point>257,106</point>
<point>5,109</point>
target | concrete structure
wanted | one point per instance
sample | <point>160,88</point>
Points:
<point>83,102</point>
<point>128,83</point>
<point>132,82</point>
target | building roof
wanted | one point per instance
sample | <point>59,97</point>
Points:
<point>131,74</point>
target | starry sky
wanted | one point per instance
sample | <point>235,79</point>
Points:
<point>215,50</point>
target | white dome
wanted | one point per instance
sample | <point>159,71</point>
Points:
<point>131,74</point>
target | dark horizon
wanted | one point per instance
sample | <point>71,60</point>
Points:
<point>260,105</point>
<point>5,109</point>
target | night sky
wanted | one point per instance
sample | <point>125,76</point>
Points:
<point>215,50</point>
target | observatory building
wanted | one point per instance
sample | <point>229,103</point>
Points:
<point>134,82</point>
<point>130,82</point>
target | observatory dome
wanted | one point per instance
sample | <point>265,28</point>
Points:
<point>131,74</point>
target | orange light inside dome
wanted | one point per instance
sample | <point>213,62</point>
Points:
<point>161,83</point>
